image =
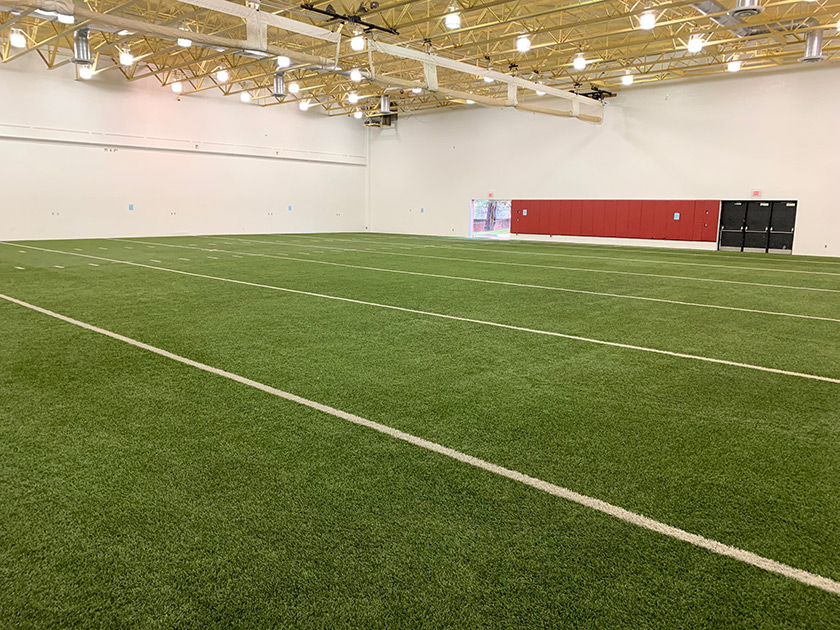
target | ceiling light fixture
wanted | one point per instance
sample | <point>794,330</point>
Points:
<point>356,75</point>
<point>470,101</point>
<point>177,87</point>
<point>695,44</point>
<point>126,58</point>
<point>64,18</point>
<point>86,72</point>
<point>304,105</point>
<point>579,62</point>
<point>294,88</point>
<point>358,115</point>
<point>627,79</point>
<point>17,39</point>
<point>452,21</point>
<point>417,90</point>
<point>357,43</point>
<point>523,43</point>
<point>223,76</point>
<point>283,61</point>
<point>352,98</point>
<point>245,97</point>
<point>734,65</point>
<point>488,79</point>
<point>647,20</point>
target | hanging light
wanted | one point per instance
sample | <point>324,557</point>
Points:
<point>452,21</point>
<point>523,43</point>
<point>126,58</point>
<point>86,72</point>
<point>183,42</point>
<point>283,61</point>
<point>417,90</point>
<point>647,20</point>
<point>245,97</point>
<point>488,79</point>
<point>17,39</point>
<point>627,79</point>
<point>357,43</point>
<point>358,115</point>
<point>695,44</point>
<point>177,87</point>
<point>539,92</point>
<point>223,76</point>
<point>124,33</point>
<point>81,47</point>
<point>304,105</point>
<point>470,101</point>
<point>64,18</point>
<point>294,88</point>
<point>734,65</point>
<point>352,98</point>
<point>356,75</point>
<point>579,62</point>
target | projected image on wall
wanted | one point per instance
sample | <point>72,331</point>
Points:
<point>490,218</point>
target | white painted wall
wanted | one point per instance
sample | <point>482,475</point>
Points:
<point>74,155</point>
<point>716,139</point>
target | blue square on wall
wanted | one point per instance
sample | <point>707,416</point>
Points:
<point>676,216</point>
<point>524,213</point>
<point>131,206</point>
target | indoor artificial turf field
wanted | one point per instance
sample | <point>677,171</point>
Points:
<point>142,491</point>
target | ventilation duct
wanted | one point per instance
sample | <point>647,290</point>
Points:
<point>813,47</point>
<point>279,87</point>
<point>746,8</point>
<point>732,22</point>
<point>81,47</point>
<point>385,104</point>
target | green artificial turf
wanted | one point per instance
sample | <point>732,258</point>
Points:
<point>141,492</point>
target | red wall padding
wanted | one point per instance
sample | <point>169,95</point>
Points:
<point>679,220</point>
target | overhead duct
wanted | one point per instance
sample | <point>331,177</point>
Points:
<point>731,21</point>
<point>81,47</point>
<point>279,87</point>
<point>746,8</point>
<point>385,104</point>
<point>813,47</point>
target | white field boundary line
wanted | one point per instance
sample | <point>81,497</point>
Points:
<point>480,280</point>
<point>500,250</point>
<point>402,309</point>
<point>534,265</point>
<point>805,577</point>
<point>641,249</point>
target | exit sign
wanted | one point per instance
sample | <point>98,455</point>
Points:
<point>755,194</point>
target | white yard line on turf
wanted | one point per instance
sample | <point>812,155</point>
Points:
<point>534,265</point>
<point>501,250</point>
<point>612,344</point>
<point>640,249</point>
<point>480,280</point>
<point>805,577</point>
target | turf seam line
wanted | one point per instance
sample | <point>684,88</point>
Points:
<point>590,256</point>
<point>800,575</point>
<point>484,281</point>
<point>613,344</point>
<point>533,265</point>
